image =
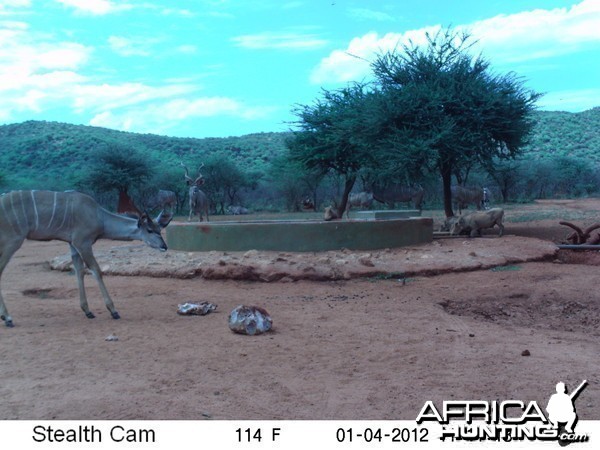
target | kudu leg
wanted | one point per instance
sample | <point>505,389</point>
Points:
<point>88,257</point>
<point>8,250</point>
<point>80,273</point>
<point>4,312</point>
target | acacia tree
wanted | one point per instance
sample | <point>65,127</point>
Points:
<point>294,182</point>
<point>118,167</point>
<point>443,109</point>
<point>225,180</point>
<point>336,135</point>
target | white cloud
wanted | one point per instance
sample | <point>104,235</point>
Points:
<point>37,73</point>
<point>220,15</point>
<point>572,100</point>
<point>212,106</point>
<point>31,100</point>
<point>540,33</point>
<point>279,40</point>
<point>353,63</point>
<point>7,25</point>
<point>187,49</point>
<point>14,4</point>
<point>177,12</point>
<point>95,7</point>
<point>503,39</point>
<point>66,55</point>
<point>102,97</point>
<point>370,14</point>
<point>128,47</point>
<point>26,64</point>
<point>159,117</point>
<point>58,79</point>
<point>109,120</point>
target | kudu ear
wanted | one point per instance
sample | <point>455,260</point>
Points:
<point>143,219</point>
<point>163,219</point>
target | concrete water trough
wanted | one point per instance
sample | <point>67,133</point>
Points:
<point>299,236</point>
<point>386,214</point>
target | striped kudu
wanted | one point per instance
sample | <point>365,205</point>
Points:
<point>198,199</point>
<point>75,218</point>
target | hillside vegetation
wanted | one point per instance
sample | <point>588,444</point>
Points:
<point>564,134</point>
<point>55,155</point>
<point>50,155</point>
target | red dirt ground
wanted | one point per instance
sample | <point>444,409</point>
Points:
<point>368,335</point>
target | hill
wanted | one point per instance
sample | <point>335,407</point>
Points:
<point>564,134</point>
<point>38,152</point>
<point>55,155</point>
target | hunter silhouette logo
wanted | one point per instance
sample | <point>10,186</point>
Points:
<point>508,420</point>
<point>561,412</point>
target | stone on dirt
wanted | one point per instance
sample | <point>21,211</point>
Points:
<point>250,320</point>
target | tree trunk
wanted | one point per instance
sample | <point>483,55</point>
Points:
<point>126,204</point>
<point>446,172</point>
<point>504,192</point>
<point>348,185</point>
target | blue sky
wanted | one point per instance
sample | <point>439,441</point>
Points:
<point>214,68</point>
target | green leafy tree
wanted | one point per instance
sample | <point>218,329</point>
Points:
<point>336,135</point>
<point>443,109</point>
<point>225,180</point>
<point>507,175</point>
<point>117,168</point>
<point>572,176</point>
<point>294,182</point>
<point>166,177</point>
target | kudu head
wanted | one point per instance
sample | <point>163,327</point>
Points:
<point>199,181</point>
<point>149,230</point>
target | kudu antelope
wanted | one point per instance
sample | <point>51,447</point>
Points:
<point>163,200</point>
<point>75,218</point>
<point>198,199</point>
<point>359,200</point>
<point>462,196</point>
<point>396,192</point>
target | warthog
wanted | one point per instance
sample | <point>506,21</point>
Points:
<point>396,192</point>
<point>237,210</point>
<point>448,223</point>
<point>360,200</point>
<point>463,196</point>
<point>480,220</point>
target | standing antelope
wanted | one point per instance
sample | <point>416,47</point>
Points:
<point>465,195</point>
<point>198,199</point>
<point>360,200</point>
<point>397,192</point>
<point>163,200</point>
<point>75,218</point>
